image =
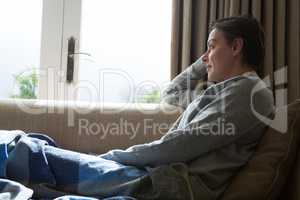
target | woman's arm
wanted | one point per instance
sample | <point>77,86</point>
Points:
<point>186,86</point>
<point>230,110</point>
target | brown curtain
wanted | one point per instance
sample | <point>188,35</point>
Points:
<point>279,18</point>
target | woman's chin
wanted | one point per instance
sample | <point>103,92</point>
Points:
<point>211,78</point>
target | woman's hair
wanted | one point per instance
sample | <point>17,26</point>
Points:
<point>248,29</point>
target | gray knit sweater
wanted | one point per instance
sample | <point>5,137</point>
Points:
<point>214,137</point>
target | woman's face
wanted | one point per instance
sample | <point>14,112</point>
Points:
<point>218,57</point>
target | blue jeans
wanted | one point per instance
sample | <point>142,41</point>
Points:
<point>34,159</point>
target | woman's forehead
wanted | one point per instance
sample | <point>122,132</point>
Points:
<point>215,35</point>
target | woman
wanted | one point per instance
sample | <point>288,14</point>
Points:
<point>196,159</point>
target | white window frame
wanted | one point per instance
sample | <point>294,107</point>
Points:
<point>60,21</point>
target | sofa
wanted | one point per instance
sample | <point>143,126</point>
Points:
<point>94,128</point>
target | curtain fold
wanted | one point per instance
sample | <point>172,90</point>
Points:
<point>280,78</point>
<point>220,13</point>
<point>200,17</point>
<point>256,6</point>
<point>268,24</point>
<point>279,19</point>
<point>234,7</point>
<point>176,38</point>
<point>212,11</point>
<point>226,8</point>
<point>245,7</point>
<point>293,49</point>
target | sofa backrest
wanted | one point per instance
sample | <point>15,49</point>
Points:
<point>89,128</point>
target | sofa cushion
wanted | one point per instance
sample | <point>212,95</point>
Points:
<point>266,172</point>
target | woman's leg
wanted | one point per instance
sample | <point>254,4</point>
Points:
<point>32,161</point>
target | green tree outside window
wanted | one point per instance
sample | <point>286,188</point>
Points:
<point>26,84</point>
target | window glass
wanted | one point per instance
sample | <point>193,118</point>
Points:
<point>129,43</point>
<point>20,37</point>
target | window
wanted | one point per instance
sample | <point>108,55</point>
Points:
<point>129,42</point>
<point>20,47</point>
<point>121,48</point>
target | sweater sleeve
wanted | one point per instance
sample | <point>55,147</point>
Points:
<point>221,122</point>
<point>186,86</point>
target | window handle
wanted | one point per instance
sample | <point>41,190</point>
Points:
<point>70,59</point>
<point>81,53</point>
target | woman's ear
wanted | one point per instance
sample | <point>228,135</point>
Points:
<point>237,46</point>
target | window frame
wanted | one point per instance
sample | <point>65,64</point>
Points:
<point>60,21</point>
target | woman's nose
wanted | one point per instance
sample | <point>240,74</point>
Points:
<point>205,57</point>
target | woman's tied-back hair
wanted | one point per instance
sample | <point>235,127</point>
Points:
<point>248,29</point>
